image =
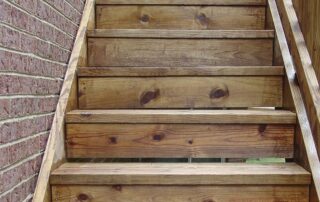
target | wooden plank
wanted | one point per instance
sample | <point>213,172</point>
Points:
<point>179,52</point>
<point>180,71</point>
<point>179,92</point>
<point>55,150</point>
<point>305,149</point>
<point>184,34</point>
<point>184,2</point>
<point>179,141</point>
<point>180,17</point>
<point>252,116</point>
<point>119,193</point>
<point>180,174</point>
<point>306,74</point>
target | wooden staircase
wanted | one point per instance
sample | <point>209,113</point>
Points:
<point>168,83</point>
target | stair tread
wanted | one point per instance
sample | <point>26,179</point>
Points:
<point>164,33</point>
<point>183,2</point>
<point>179,173</point>
<point>251,116</point>
<point>182,71</point>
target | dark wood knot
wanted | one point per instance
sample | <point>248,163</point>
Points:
<point>158,137</point>
<point>83,197</point>
<point>262,128</point>
<point>190,141</point>
<point>219,93</point>
<point>145,18</point>
<point>113,140</point>
<point>117,187</point>
<point>146,97</point>
<point>208,200</point>
<point>202,18</point>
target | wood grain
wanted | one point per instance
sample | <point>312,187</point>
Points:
<point>180,17</point>
<point>119,193</point>
<point>184,34</point>
<point>179,52</point>
<point>178,141</point>
<point>180,174</point>
<point>179,92</point>
<point>252,116</point>
<point>181,71</point>
<point>184,2</point>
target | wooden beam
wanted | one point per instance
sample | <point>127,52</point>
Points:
<point>185,2</point>
<point>182,34</point>
<point>55,150</point>
<point>306,133</point>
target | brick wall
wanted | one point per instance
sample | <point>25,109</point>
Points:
<point>36,38</point>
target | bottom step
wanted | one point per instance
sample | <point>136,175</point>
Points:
<point>212,182</point>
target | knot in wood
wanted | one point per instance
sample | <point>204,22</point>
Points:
<point>202,18</point>
<point>219,93</point>
<point>146,97</point>
<point>112,140</point>
<point>262,128</point>
<point>83,197</point>
<point>158,137</point>
<point>144,18</point>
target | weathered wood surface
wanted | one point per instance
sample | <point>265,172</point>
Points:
<point>305,147</point>
<point>179,52</point>
<point>184,2</point>
<point>119,193</point>
<point>185,34</point>
<point>252,116</point>
<point>55,150</point>
<point>178,141</point>
<point>181,71</point>
<point>179,92</point>
<point>180,17</point>
<point>180,174</point>
<point>308,12</point>
<point>305,72</point>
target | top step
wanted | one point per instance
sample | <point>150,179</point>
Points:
<point>181,14</point>
<point>182,2</point>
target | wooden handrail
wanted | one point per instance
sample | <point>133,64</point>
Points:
<point>55,151</point>
<point>305,131</point>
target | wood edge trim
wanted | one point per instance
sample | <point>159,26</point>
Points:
<point>177,34</point>
<point>53,158</point>
<point>309,143</point>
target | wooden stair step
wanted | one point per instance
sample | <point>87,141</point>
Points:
<point>252,116</point>
<point>180,48</point>
<point>180,92</point>
<point>179,134</point>
<point>180,14</point>
<point>182,34</point>
<point>180,71</point>
<point>179,182</point>
<point>184,2</point>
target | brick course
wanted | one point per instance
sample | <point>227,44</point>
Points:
<point>36,39</point>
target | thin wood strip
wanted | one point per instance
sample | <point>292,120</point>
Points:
<point>185,34</point>
<point>55,150</point>
<point>254,116</point>
<point>180,174</point>
<point>181,71</point>
<point>306,133</point>
<point>184,2</point>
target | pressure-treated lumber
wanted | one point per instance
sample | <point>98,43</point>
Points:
<point>180,174</point>
<point>179,92</point>
<point>185,34</point>
<point>306,151</point>
<point>195,193</point>
<point>184,2</point>
<point>181,71</point>
<point>179,140</point>
<point>180,17</point>
<point>179,52</point>
<point>252,116</point>
<point>55,150</point>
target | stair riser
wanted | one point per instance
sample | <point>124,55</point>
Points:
<point>179,92</point>
<point>118,193</point>
<point>180,17</point>
<point>179,52</point>
<point>179,140</point>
